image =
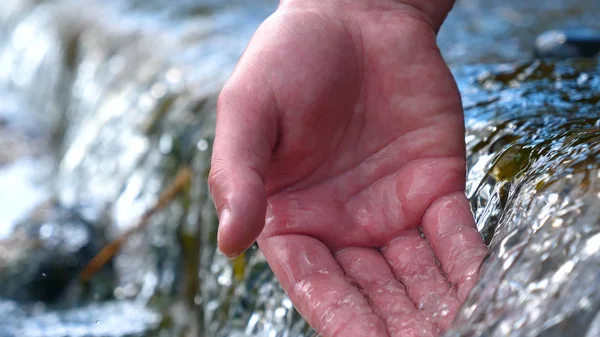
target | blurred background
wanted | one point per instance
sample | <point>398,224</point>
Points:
<point>107,115</point>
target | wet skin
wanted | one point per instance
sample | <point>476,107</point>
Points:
<point>340,139</point>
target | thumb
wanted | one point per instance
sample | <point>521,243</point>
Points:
<point>245,135</point>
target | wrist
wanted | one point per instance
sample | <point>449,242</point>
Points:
<point>434,12</point>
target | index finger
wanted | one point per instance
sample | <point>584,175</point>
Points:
<point>319,288</point>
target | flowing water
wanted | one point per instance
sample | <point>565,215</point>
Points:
<point>103,103</point>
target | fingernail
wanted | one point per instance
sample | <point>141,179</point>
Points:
<point>232,257</point>
<point>224,220</point>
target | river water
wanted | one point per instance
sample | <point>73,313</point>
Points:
<point>104,102</point>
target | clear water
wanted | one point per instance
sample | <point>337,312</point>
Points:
<point>108,100</point>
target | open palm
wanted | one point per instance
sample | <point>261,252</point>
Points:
<point>340,146</point>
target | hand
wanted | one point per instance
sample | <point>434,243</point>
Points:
<point>340,138</point>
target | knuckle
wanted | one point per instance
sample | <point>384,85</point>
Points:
<point>215,176</point>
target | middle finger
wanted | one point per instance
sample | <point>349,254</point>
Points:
<point>386,295</point>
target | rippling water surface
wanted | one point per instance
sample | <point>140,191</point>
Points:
<point>104,103</point>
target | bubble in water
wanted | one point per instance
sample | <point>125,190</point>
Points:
<point>202,145</point>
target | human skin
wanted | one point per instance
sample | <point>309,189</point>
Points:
<point>340,149</point>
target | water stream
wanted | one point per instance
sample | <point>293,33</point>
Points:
<point>102,103</point>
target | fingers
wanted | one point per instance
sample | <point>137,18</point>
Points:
<point>450,228</point>
<point>245,135</point>
<point>385,293</point>
<point>319,288</point>
<point>413,263</point>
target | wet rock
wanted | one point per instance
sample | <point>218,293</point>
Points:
<point>568,43</point>
<point>504,31</point>
<point>43,257</point>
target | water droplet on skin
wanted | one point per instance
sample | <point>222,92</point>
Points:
<point>445,311</point>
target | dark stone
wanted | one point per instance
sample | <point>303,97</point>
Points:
<point>45,256</point>
<point>568,43</point>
